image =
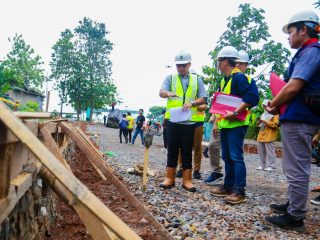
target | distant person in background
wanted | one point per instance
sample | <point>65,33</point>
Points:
<point>130,126</point>
<point>140,121</point>
<point>104,120</point>
<point>123,128</point>
<point>267,135</point>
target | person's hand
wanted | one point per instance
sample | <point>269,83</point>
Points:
<point>315,142</point>
<point>171,94</point>
<point>187,106</point>
<point>272,110</point>
<point>229,115</point>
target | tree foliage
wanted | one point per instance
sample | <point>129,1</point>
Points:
<point>82,68</point>
<point>8,78</point>
<point>249,32</point>
<point>25,64</point>
<point>155,112</point>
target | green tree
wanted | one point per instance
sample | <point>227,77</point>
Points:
<point>93,43</point>
<point>155,112</point>
<point>8,78</point>
<point>80,64</point>
<point>62,64</point>
<point>26,65</point>
<point>249,32</point>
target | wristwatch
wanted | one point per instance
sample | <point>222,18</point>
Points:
<point>192,103</point>
<point>235,113</point>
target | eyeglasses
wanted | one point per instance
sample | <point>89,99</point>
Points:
<point>182,65</point>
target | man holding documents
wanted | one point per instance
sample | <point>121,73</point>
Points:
<point>300,119</point>
<point>236,94</point>
<point>184,91</point>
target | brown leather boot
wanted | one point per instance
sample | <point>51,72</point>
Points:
<point>187,180</point>
<point>169,181</point>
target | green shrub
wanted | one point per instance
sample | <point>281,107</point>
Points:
<point>29,107</point>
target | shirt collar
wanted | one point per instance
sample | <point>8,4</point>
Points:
<point>311,40</point>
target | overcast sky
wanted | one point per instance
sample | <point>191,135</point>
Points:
<point>146,34</point>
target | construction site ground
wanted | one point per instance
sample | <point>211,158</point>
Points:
<point>185,215</point>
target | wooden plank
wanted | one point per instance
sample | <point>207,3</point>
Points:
<point>52,127</point>
<point>20,159</point>
<point>87,139</point>
<point>6,156</point>
<point>52,146</point>
<point>95,227</point>
<point>6,136</point>
<point>19,186</point>
<point>68,180</point>
<point>22,183</point>
<point>32,114</point>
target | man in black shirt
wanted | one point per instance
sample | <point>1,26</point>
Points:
<point>139,127</point>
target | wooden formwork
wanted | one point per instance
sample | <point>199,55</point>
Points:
<point>21,147</point>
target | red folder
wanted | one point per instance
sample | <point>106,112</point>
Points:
<point>222,102</point>
<point>276,84</point>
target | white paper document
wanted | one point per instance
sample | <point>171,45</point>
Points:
<point>179,115</point>
<point>231,101</point>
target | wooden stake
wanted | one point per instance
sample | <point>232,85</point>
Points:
<point>145,169</point>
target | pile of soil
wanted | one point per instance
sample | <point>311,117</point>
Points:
<point>69,225</point>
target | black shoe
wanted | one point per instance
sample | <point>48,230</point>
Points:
<point>179,173</point>
<point>213,177</point>
<point>280,208</point>
<point>205,152</point>
<point>193,189</point>
<point>286,221</point>
<point>196,175</point>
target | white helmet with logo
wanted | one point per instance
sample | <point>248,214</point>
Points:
<point>309,18</point>
<point>182,58</point>
<point>243,57</point>
<point>228,52</point>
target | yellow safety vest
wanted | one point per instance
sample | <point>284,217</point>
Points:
<point>130,121</point>
<point>224,123</point>
<point>187,97</point>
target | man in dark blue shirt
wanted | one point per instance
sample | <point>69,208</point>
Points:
<point>139,127</point>
<point>299,122</point>
<point>233,130</point>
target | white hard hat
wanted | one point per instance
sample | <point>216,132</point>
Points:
<point>182,58</point>
<point>228,51</point>
<point>310,19</point>
<point>243,57</point>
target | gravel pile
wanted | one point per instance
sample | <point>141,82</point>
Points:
<point>199,215</point>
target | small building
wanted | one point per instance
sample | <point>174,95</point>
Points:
<point>24,95</point>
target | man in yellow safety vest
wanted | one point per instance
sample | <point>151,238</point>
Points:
<point>184,91</point>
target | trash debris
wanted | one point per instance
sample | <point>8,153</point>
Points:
<point>138,169</point>
<point>110,154</point>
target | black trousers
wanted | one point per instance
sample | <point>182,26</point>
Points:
<point>180,137</point>
<point>129,134</point>
<point>165,138</point>
<point>125,134</point>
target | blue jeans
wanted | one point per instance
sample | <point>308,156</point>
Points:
<point>232,153</point>
<point>136,132</point>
